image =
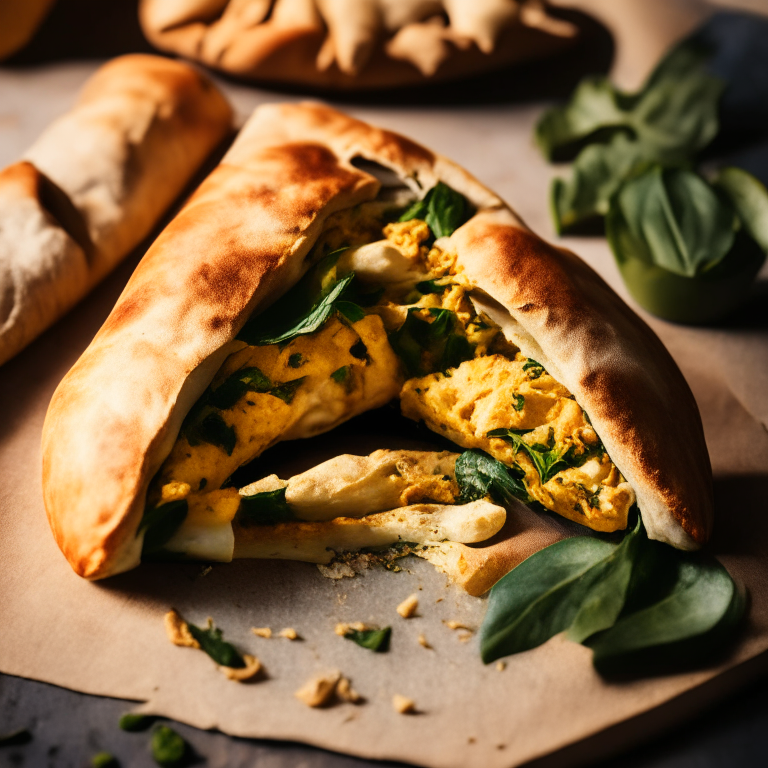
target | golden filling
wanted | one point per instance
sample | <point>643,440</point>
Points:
<point>264,394</point>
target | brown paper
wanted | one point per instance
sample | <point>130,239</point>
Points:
<point>108,638</point>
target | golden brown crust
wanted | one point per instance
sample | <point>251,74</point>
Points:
<point>104,173</point>
<point>241,241</point>
<point>362,44</point>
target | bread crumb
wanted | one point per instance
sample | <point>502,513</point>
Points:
<point>471,740</point>
<point>346,692</point>
<point>262,631</point>
<point>344,629</point>
<point>407,608</point>
<point>318,690</point>
<point>241,674</point>
<point>206,570</point>
<point>439,600</point>
<point>337,571</point>
<point>423,642</point>
<point>178,630</point>
<point>289,633</point>
<point>457,625</point>
<point>465,637</point>
<point>501,665</point>
<point>403,705</point>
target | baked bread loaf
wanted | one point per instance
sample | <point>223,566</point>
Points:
<point>96,182</point>
<point>241,241</point>
<point>355,44</point>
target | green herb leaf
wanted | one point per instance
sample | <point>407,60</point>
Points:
<point>214,430</point>
<point>578,584</point>
<point>104,760</point>
<point>432,286</point>
<point>673,219</point>
<point>287,391</point>
<point>359,350</point>
<point>133,723</point>
<point>160,523</point>
<point>168,748</point>
<point>480,475</point>
<point>296,360</point>
<point>351,311</point>
<point>749,198</point>
<point>212,642</point>
<point>533,369</point>
<point>266,508</point>
<point>16,738</point>
<point>697,614</point>
<point>547,459</point>
<point>373,639</point>
<point>444,209</point>
<point>519,403</point>
<point>235,386</point>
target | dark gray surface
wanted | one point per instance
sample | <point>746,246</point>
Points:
<point>69,728</point>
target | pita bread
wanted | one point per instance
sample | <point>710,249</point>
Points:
<point>96,182</point>
<point>242,240</point>
<point>354,44</point>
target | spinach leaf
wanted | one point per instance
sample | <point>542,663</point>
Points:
<point>373,639</point>
<point>674,114</point>
<point>133,723</point>
<point>443,208</point>
<point>480,475</point>
<point>547,459</point>
<point>578,584</point>
<point>519,403</point>
<point>212,642</point>
<point>214,430</point>
<point>160,523</point>
<point>287,391</point>
<point>431,286</point>
<point>426,347</point>
<point>169,750</point>
<point>671,218</point>
<point>749,198</point>
<point>294,315</point>
<point>235,386</point>
<point>15,738</point>
<point>341,376</point>
<point>266,508</point>
<point>104,760</point>
<point>353,312</point>
<point>359,350</point>
<point>296,360</point>
<point>533,369</point>
<point>697,614</point>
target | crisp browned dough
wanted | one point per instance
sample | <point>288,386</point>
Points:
<point>96,182</point>
<point>241,241</point>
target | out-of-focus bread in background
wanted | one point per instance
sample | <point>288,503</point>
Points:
<point>19,20</point>
<point>96,182</point>
<point>355,44</point>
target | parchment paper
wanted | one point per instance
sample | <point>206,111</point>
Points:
<point>107,638</point>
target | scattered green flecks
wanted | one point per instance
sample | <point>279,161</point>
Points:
<point>104,760</point>
<point>376,640</point>
<point>212,642</point>
<point>296,360</point>
<point>519,403</point>
<point>169,750</point>
<point>134,723</point>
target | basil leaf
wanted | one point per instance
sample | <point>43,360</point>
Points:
<point>214,430</point>
<point>426,347</point>
<point>160,523</point>
<point>133,723</point>
<point>235,386</point>
<point>670,218</point>
<point>698,613</point>
<point>547,459</point>
<point>168,748</point>
<point>519,403</point>
<point>376,640</point>
<point>350,310</point>
<point>104,760</point>
<point>212,642</point>
<point>443,208</point>
<point>296,360</point>
<point>431,286</point>
<point>291,317</point>
<point>16,738</point>
<point>340,374</point>
<point>287,391</point>
<point>480,475</point>
<point>266,508</point>
<point>533,369</point>
<point>749,198</point>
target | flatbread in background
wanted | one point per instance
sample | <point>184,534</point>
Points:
<point>355,44</point>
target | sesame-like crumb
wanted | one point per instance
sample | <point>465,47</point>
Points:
<point>346,692</point>
<point>439,600</point>
<point>289,633</point>
<point>465,637</point>
<point>178,630</point>
<point>501,665</point>
<point>407,609</point>
<point>403,705</point>
<point>249,671</point>
<point>342,629</point>
<point>457,625</point>
<point>423,642</point>
<point>262,631</point>
<point>318,690</point>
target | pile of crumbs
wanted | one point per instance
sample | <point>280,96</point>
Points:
<point>349,564</point>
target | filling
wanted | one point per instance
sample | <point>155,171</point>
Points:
<point>383,313</point>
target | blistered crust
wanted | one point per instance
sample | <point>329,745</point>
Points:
<point>241,242</point>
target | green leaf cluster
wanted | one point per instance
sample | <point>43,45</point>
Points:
<point>612,135</point>
<point>169,750</point>
<point>160,523</point>
<point>212,642</point>
<point>104,760</point>
<point>376,640</point>
<point>266,508</point>
<point>134,723</point>
<point>251,379</point>
<point>443,208</point>
<point>638,604</point>
<point>480,475</point>
<point>427,346</point>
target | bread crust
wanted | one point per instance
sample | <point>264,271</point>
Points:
<point>97,180</point>
<point>241,242</point>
